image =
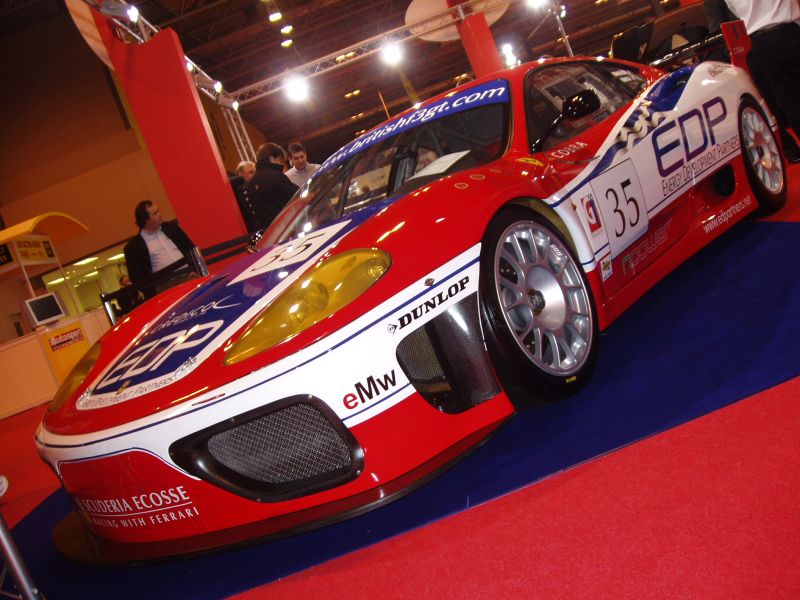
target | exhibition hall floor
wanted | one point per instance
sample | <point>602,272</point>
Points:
<point>675,473</point>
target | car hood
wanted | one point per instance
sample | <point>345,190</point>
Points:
<point>174,343</point>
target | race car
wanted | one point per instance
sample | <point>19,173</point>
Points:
<point>443,270</point>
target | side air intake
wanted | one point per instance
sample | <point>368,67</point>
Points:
<point>446,362</point>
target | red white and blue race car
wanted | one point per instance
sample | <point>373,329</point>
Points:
<point>442,270</point>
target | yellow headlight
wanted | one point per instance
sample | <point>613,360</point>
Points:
<point>317,295</point>
<point>75,378</point>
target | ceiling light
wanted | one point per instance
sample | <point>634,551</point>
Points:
<point>392,53</point>
<point>536,4</point>
<point>352,94</point>
<point>286,43</point>
<point>287,29</point>
<point>296,88</point>
<point>228,102</point>
<point>275,17</point>
<point>86,261</point>
<point>205,82</point>
<point>117,8</point>
<point>508,55</point>
<point>116,256</point>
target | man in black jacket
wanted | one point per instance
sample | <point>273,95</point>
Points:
<point>269,189</point>
<point>159,244</point>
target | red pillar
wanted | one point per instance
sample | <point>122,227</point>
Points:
<point>170,115</point>
<point>478,41</point>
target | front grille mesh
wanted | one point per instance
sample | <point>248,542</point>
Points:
<point>288,445</point>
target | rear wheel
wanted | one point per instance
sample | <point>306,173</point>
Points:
<point>762,158</point>
<point>537,308</point>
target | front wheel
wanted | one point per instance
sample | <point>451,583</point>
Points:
<point>537,308</point>
<point>762,158</point>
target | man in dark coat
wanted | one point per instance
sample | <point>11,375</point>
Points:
<point>158,245</point>
<point>269,189</point>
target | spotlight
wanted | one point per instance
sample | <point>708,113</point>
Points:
<point>508,55</point>
<point>287,29</point>
<point>228,102</point>
<point>536,4</point>
<point>275,17</point>
<point>205,82</point>
<point>296,88</point>
<point>392,53</point>
<point>119,9</point>
<point>189,66</point>
<point>286,43</point>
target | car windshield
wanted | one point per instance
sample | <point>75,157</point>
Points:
<point>466,129</point>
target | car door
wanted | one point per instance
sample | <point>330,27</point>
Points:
<point>597,160</point>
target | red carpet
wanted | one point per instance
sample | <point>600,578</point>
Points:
<point>30,480</point>
<point>705,510</point>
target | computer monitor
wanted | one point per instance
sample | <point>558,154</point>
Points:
<point>44,309</point>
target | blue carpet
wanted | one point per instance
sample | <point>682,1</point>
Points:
<point>723,327</point>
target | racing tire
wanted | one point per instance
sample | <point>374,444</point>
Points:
<point>537,309</point>
<point>763,162</point>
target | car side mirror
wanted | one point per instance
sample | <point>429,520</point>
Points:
<point>575,107</point>
<point>580,105</point>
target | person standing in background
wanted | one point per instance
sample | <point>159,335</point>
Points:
<point>128,297</point>
<point>159,244</point>
<point>269,190</point>
<point>244,173</point>
<point>301,170</point>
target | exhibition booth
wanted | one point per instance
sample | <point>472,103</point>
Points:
<point>33,365</point>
